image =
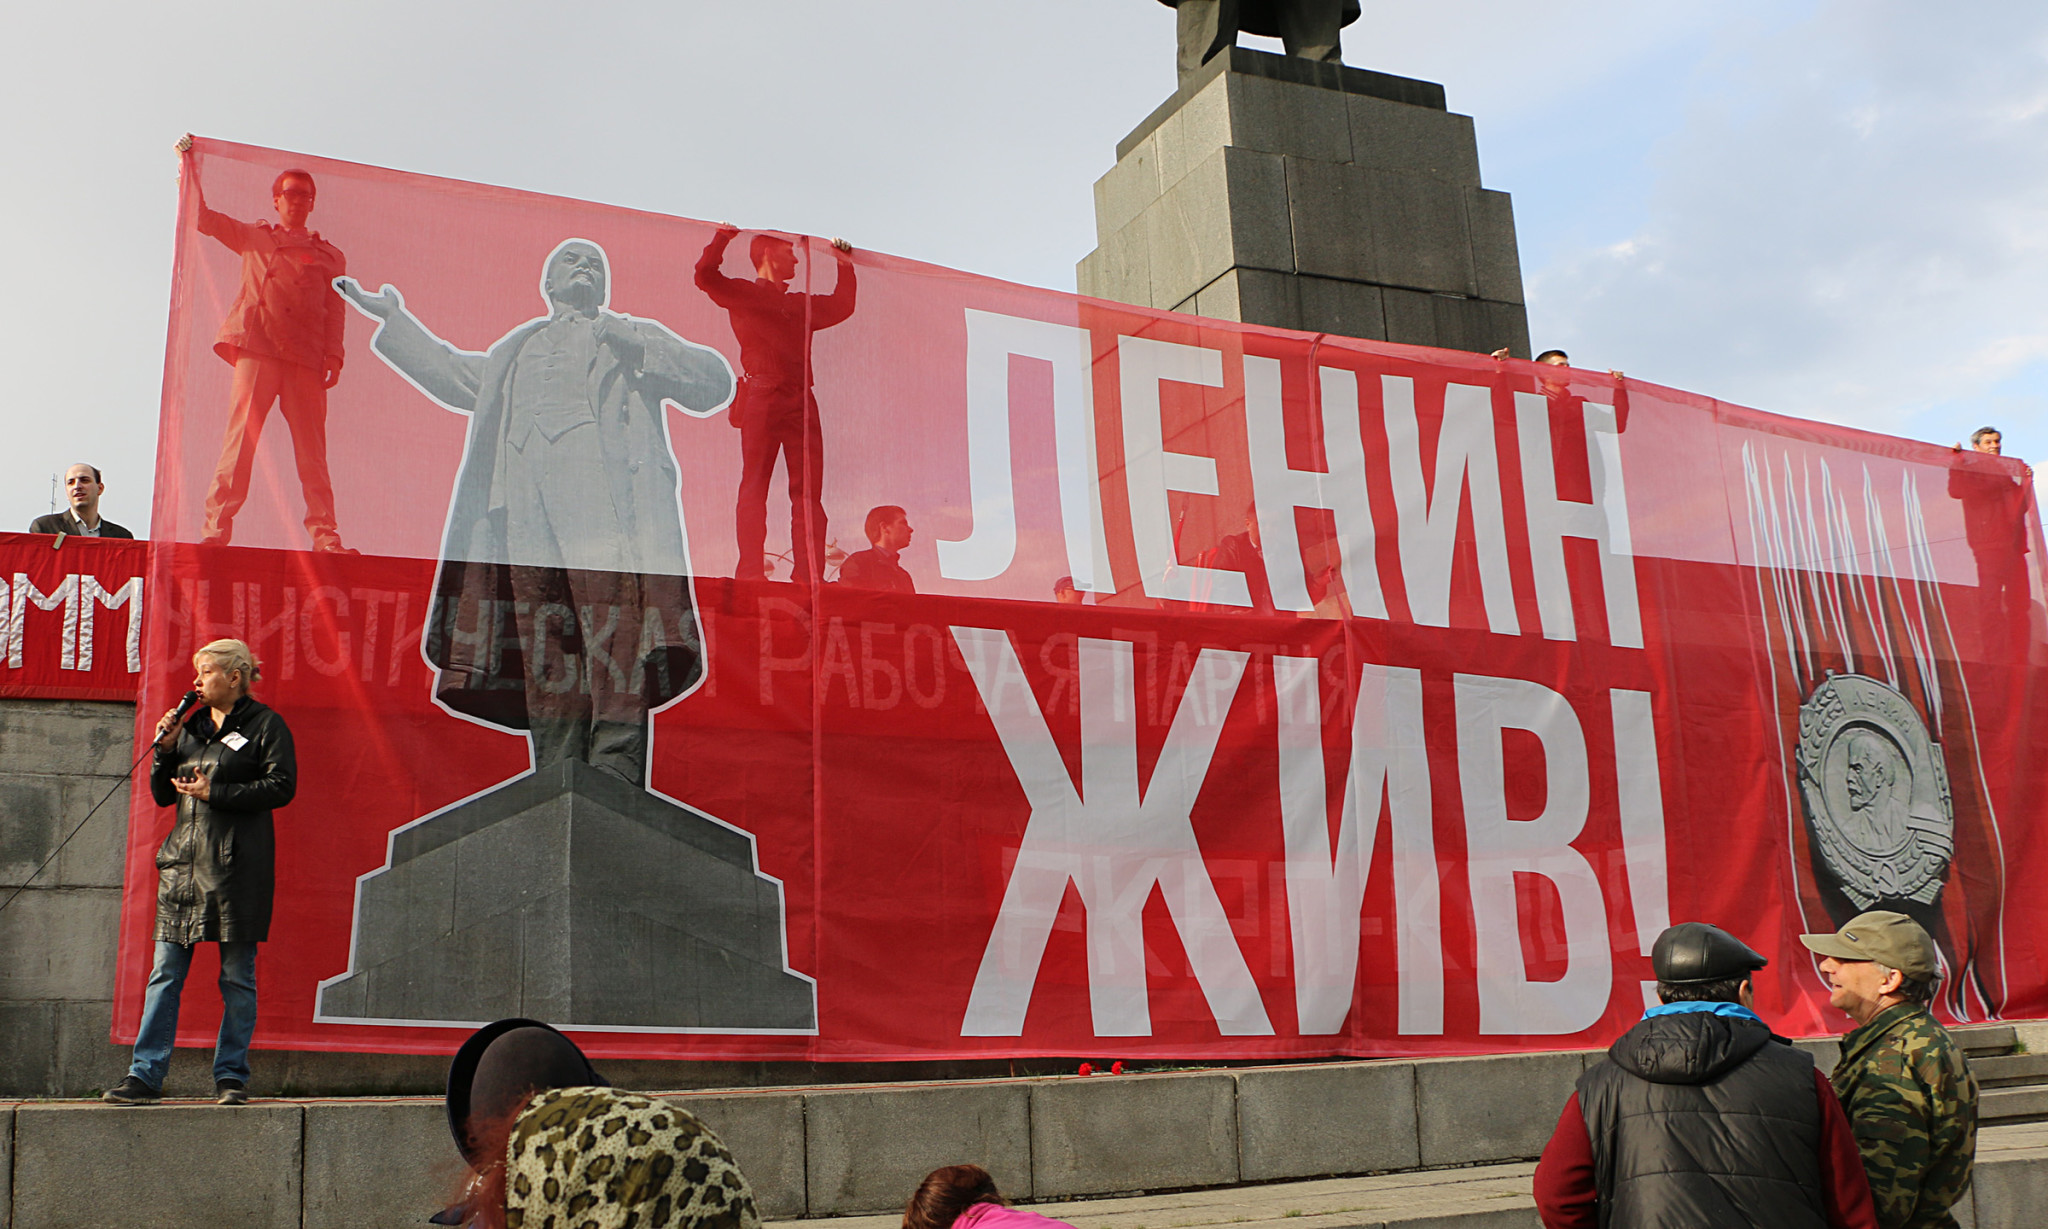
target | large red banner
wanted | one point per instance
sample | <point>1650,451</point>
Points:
<point>1117,681</point>
<point>71,615</point>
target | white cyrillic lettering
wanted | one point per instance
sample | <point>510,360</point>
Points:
<point>1326,889</point>
<point>90,593</point>
<point>1278,489</point>
<point>1465,454</point>
<point>1552,520</point>
<point>991,545</point>
<point>25,592</point>
<point>1640,793</point>
<point>1497,848</point>
<point>1113,845</point>
<point>1150,471</point>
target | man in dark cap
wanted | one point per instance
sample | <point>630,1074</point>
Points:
<point>1912,1101</point>
<point>1700,1115</point>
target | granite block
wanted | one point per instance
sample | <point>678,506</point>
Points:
<point>1303,1122</point>
<point>869,1148</point>
<point>1260,225</point>
<point>1187,232</point>
<point>1348,309</point>
<point>31,823</point>
<point>1419,233</point>
<point>378,1163</point>
<point>765,1134</point>
<point>1132,1133</point>
<point>1283,117</point>
<point>1496,260</point>
<point>1259,296</point>
<point>58,943</point>
<point>66,737</point>
<point>1123,192</point>
<point>1393,136</point>
<point>1466,324</point>
<point>1202,124</point>
<point>1330,208</point>
<point>1410,316</point>
<point>1464,1115</point>
<point>182,1166</point>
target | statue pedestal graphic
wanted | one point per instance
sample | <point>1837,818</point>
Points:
<point>1301,194</point>
<point>572,897</point>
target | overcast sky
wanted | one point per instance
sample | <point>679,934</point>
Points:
<point>1835,210</point>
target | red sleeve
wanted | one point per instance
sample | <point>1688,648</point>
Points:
<point>1565,1195</point>
<point>1843,1183</point>
<point>708,278</point>
<point>232,232</point>
<point>830,309</point>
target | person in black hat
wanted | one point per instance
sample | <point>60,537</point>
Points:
<point>1700,1115</point>
<point>490,1080</point>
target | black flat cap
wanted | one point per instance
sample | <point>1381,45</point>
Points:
<point>1693,952</point>
<point>501,1065</point>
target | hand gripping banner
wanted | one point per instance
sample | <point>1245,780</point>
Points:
<point>1117,681</point>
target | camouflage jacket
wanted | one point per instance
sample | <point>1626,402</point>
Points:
<point>1912,1104</point>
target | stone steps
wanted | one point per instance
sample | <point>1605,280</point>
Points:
<point>2008,1070</point>
<point>1476,1197</point>
<point>2010,1183</point>
<point>2012,1087</point>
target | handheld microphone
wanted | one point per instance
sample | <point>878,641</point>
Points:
<point>186,705</point>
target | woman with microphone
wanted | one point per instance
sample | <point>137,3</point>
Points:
<point>226,768</point>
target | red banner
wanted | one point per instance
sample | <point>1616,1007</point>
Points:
<point>1117,682</point>
<point>71,617</point>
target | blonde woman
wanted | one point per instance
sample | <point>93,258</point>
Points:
<point>226,768</point>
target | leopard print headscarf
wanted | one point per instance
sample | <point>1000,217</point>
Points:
<point>593,1158</point>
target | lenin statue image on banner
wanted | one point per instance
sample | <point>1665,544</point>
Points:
<point>563,610</point>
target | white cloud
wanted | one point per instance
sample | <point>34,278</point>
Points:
<point>1850,224</point>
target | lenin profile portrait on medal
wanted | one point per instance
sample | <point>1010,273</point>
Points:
<point>563,605</point>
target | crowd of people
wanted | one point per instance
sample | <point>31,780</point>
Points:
<point>1699,1115</point>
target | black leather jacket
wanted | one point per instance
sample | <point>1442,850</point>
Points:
<point>215,871</point>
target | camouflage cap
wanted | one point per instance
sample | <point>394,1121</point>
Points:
<point>1891,939</point>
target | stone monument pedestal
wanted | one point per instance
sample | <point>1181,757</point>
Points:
<point>1309,195</point>
<point>572,897</point>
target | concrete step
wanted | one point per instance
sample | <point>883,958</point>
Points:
<point>1985,1038</point>
<point>2006,1070</point>
<point>2007,1192</point>
<point>2012,1104</point>
<point>1477,1197</point>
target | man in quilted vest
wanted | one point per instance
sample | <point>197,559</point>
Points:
<point>1700,1115</point>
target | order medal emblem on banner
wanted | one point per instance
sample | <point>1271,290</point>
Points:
<point>1876,792</point>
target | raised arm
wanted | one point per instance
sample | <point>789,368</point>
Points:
<point>829,309</point>
<point>450,376</point>
<point>709,279</point>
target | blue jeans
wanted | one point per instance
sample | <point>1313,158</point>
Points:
<point>159,1029</point>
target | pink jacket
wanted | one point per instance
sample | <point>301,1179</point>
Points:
<point>996,1216</point>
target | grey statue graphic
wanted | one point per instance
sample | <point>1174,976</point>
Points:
<point>566,509</point>
<point>563,609</point>
<point>1307,28</point>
